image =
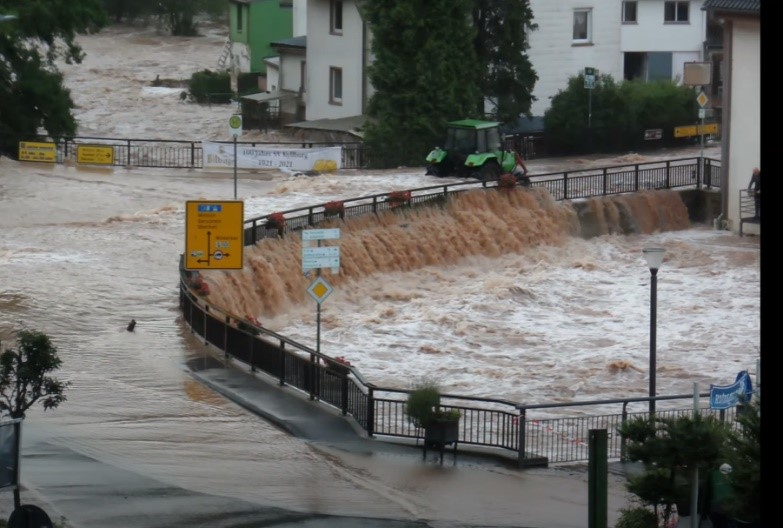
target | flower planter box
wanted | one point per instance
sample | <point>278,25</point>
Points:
<point>398,198</point>
<point>440,433</point>
<point>334,209</point>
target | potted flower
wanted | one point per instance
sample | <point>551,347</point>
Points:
<point>398,198</point>
<point>199,285</point>
<point>276,221</point>
<point>441,426</point>
<point>340,365</point>
<point>507,182</point>
<point>334,208</point>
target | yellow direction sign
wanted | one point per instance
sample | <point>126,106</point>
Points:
<point>694,130</point>
<point>214,234</point>
<point>95,154</point>
<point>36,151</point>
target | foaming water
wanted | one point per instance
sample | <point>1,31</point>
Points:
<point>84,250</point>
<point>487,224</point>
<point>499,287</point>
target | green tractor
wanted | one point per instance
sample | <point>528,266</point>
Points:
<point>474,149</point>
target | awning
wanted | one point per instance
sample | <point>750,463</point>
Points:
<point>264,97</point>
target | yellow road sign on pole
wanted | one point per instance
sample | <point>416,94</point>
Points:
<point>695,130</point>
<point>214,234</point>
<point>95,154</point>
<point>37,151</point>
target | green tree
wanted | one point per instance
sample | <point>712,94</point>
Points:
<point>33,96</point>
<point>178,16</point>
<point>25,375</point>
<point>425,73</point>
<point>671,450</point>
<point>501,45</point>
<point>658,103</point>
<point>611,116</point>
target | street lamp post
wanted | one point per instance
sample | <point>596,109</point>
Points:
<point>654,258</point>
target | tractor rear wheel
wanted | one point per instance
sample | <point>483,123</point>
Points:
<point>489,171</point>
<point>434,170</point>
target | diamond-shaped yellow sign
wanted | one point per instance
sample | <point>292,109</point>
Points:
<point>319,290</point>
<point>702,99</point>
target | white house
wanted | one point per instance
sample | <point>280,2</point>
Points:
<point>338,51</point>
<point>741,137</point>
<point>644,39</point>
<point>647,39</point>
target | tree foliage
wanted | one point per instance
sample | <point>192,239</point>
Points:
<point>609,114</point>
<point>425,73</point>
<point>744,456</point>
<point>177,16</point>
<point>438,61</point>
<point>671,448</point>
<point>33,96</point>
<point>25,375</point>
<point>501,48</point>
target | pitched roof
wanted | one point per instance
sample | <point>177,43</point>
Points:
<point>746,7</point>
<point>293,42</point>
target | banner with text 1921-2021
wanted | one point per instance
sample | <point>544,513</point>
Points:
<point>221,156</point>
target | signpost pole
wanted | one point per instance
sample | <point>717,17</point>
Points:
<point>701,157</point>
<point>317,258</point>
<point>318,317</point>
<point>589,107</point>
<point>235,129</point>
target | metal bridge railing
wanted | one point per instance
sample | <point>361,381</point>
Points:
<point>533,434</point>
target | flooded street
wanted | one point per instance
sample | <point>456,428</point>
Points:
<point>85,250</point>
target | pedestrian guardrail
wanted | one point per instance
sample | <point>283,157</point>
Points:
<point>533,434</point>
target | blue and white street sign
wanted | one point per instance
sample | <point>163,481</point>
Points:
<point>727,396</point>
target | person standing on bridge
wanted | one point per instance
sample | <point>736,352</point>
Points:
<point>755,187</point>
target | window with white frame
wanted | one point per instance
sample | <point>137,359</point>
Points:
<point>629,12</point>
<point>675,11</point>
<point>583,22</point>
<point>335,85</point>
<point>336,17</point>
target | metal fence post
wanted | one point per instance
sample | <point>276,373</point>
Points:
<point>344,393</point>
<point>370,411</point>
<point>521,424</point>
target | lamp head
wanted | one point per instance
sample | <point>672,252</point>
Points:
<point>654,257</point>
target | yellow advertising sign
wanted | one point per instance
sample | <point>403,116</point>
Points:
<point>214,235</point>
<point>95,154</point>
<point>36,151</point>
<point>693,130</point>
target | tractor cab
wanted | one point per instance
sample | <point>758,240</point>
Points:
<point>473,148</point>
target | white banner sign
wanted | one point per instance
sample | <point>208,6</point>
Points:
<point>221,155</point>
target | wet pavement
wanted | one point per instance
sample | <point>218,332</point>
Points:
<point>86,491</point>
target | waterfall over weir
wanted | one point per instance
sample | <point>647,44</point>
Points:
<point>489,224</point>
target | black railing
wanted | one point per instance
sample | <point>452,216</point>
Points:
<point>185,154</point>
<point>529,432</point>
<point>178,154</point>
<point>566,185</point>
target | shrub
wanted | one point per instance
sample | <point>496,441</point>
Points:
<point>638,517</point>
<point>423,406</point>
<point>210,87</point>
